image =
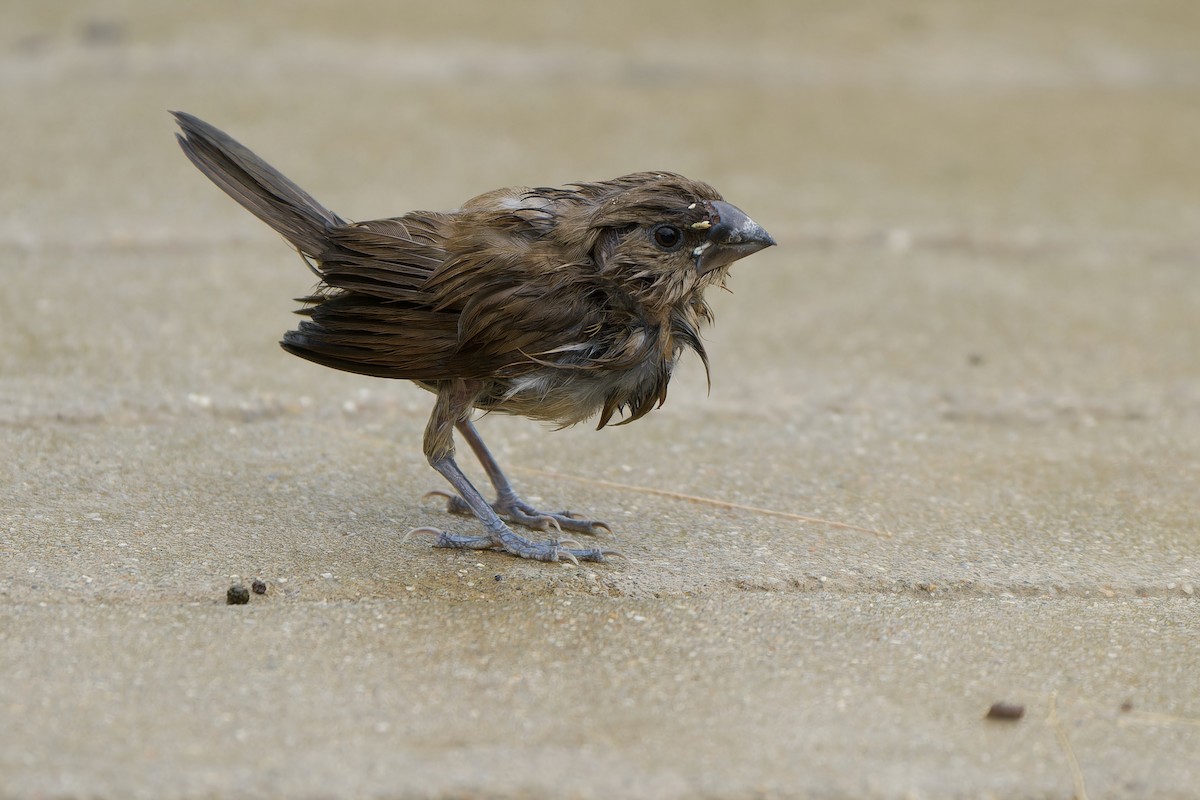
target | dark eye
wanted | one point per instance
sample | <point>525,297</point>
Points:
<point>668,237</point>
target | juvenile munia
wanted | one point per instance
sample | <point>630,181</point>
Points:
<point>554,304</point>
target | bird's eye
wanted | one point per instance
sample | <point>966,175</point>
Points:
<point>668,237</point>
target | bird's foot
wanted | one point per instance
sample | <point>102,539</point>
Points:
<point>503,538</point>
<point>517,511</point>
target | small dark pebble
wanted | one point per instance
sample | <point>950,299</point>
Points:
<point>1127,706</point>
<point>974,359</point>
<point>1007,711</point>
<point>258,587</point>
<point>499,578</point>
<point>237,595</point>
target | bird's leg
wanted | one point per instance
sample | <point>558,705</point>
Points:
<point>508,504</point>
<point>452,409</point>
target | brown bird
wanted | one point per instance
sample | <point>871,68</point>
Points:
<point>553,304</point>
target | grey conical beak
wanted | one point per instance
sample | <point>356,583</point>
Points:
<point>733,235</point>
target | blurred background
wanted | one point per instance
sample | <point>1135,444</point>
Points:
<point>847,117</point>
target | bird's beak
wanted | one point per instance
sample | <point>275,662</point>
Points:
<point>732,235</point>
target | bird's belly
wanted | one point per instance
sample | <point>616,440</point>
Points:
<point>566,397</point>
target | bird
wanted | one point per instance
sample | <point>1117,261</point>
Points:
<point>555,304</point>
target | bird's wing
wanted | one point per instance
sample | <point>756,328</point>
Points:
<point>363,334</point>
<point>373,314</point>
<point>430,297</point>
<point>524,293</point>
<point>390,259</point>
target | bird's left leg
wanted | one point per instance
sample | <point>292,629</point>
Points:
<point>508,503</point>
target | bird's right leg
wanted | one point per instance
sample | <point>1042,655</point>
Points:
<point>453,407</point>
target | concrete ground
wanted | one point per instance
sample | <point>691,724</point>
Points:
<point>978,337</point>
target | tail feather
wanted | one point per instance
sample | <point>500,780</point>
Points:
<point>260,188</point>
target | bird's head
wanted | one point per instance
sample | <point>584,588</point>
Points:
<point>665,235</point>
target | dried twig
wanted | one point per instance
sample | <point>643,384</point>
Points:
<point>691,498</point>
<point>1076,773</point>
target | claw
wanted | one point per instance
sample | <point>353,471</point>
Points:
<point>521,513</point>
<point>564,549</point>
<point>454,503</point>
<point>438,493</point>
<point>425,529</point>
<point>559,549</point>
<point>598,554</point>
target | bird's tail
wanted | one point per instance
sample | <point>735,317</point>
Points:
<point>260,188</point>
